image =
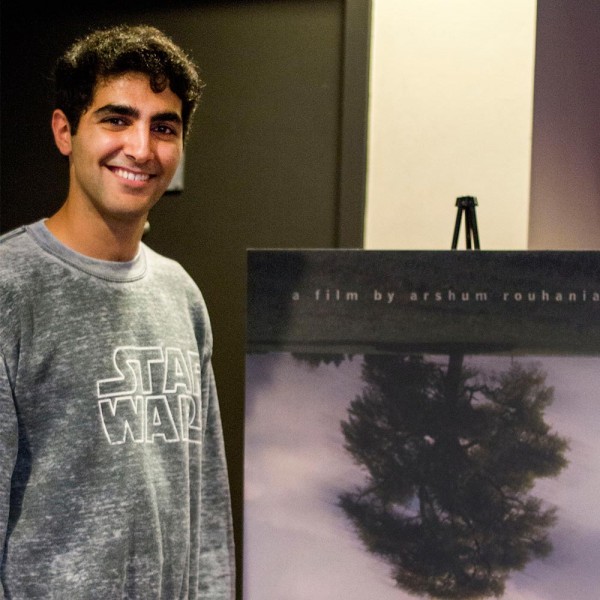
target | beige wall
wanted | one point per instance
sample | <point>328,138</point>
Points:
<point>450,115</point>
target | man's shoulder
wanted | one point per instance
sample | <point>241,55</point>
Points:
<point>15,246</point>
<point>172,275</point>
<point>12,238</point>
<point>165,265</point>
<point>19,256</point>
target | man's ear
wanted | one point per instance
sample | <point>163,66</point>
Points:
<point>62,132</point>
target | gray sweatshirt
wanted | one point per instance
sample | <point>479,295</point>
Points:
<point>113,481</point>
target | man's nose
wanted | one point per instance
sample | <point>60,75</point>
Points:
<point>138,144</point>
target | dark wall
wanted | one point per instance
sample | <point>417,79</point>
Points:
<point>276,158</point>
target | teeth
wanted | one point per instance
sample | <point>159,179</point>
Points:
<point>132,176</point>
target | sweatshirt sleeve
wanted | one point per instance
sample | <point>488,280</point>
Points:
<point>8,453</point>
<point>217,562</point>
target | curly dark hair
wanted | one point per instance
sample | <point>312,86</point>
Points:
<point>105,53</point>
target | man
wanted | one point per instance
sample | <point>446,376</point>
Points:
<point>113,481</point>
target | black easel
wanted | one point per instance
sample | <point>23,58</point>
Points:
<point>466,204</point>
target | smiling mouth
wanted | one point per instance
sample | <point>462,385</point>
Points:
<point>130,176</point>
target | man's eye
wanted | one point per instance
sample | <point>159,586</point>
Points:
<point>165,130</point>
<point>118,121</point>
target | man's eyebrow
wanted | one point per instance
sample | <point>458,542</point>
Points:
<point>167,116</point>
<point>119,109</point>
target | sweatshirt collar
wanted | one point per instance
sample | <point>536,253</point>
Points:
<point>104,269</point>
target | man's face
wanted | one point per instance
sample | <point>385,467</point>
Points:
<point>127,148</point>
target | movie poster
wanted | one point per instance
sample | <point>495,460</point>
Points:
<point>422,424</point>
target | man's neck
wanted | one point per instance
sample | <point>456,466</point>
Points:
<point>95,237</point>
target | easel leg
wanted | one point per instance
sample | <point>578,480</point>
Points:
<point>456,228</point>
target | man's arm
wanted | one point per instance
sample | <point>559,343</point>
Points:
<point>217,562</point>
<point>8,454</point>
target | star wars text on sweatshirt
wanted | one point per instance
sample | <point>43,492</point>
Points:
<point>154,396</point>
